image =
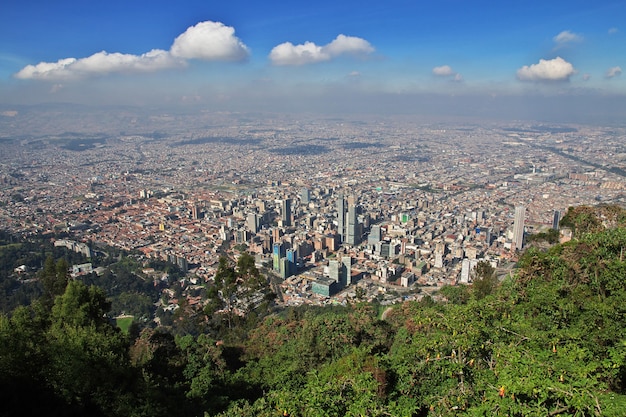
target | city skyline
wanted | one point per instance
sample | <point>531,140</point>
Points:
<point>555,61</point>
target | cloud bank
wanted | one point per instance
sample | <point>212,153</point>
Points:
<point>556,69</point>
<point>310,53</point>
<point>209,41</point>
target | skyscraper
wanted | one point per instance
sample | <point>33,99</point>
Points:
<point>341,218</point>
<point>556,219</point>
<point>253,222</point>
<point>334,270</point>
<point>278,253</point>
<point>306,196</point>
<point>346,271</point>
<point>286,212</point>
<point>291,262</point>
<point>375,235</point>
<point>518,227</point>
<point>351,228</point>
<point>195,212</point>
<point>352,236</point>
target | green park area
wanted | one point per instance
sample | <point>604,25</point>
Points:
<point>124,322</point>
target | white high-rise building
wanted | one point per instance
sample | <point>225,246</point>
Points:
<point>518,226</point>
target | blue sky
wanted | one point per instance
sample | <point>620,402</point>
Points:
<point>269,55</point>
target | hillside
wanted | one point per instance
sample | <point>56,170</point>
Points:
<point>547,341</point>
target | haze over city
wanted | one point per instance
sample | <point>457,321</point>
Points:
<point>556,61</point>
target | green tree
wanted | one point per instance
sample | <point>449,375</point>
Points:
<point>484,280</point>
<point>238,289</point>
<point>54,278</point>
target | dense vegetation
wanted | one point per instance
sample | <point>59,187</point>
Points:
<point>548,341</point>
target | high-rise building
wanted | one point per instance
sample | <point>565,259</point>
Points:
<point>334,270</point>
<point>286,212</point>
<point>556,219</point>
<point>277,254</point>
<point>284,268</point>
<point>305,196</point>
<point>291,262</point>
<point>375,235</point>
<point>351,227</point>
<point>465,271</point>
<point>346,271</point>
<point>341,218</point>
<point>518,227</point>
<point>195,212</point>
<point>253,222</point>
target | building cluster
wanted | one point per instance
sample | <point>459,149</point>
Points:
<point>336,208</point>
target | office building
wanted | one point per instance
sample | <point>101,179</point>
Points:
<point>518,227</point>
<point>341,218</point>
<point>286,212</point>
<point>252,221</point>
<point>305,196</point>
<point>292,267</point>
<point>346,271</point>
<point>334,270</point>
<point>277,254</point>
<point>375,235</point>
<point>556,219</point>
<point>352,236</point>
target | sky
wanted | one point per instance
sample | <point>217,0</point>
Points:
<point>457,57</point>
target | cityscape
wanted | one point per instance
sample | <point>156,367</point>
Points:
<point>313,209</point>
<point>334,208</point>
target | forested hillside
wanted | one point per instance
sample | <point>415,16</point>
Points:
<point>548,341</point>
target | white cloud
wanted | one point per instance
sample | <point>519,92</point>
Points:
<point>100,63</point>
<point>586,77</point>
<point>343,44</point>
<point>211,41</point>
<point>206,40</point>
<point>613,31</point>
<point>290,54</point>
<point>310,53</point>
<point>556,69</point>
<point>566,37</point>
<point>46,69</point>
<point>447,71</point>
<point>443,71</point>
<point>613,72</point>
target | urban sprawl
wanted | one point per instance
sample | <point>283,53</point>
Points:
<point>386,208</point>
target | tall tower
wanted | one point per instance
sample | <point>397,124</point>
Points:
<point>291,262</point>
<point>306,196</point>
<point>440,250</point>
<point>278,253</point>
<point>518,226</point>
<point>341,218</point>
<point>352,234</point>
<point>252,222</point>
<point>556,219</point>
<point>286,212</point>
<point>375,235</point>
<point>346,271</point>
<point>334,270</point>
